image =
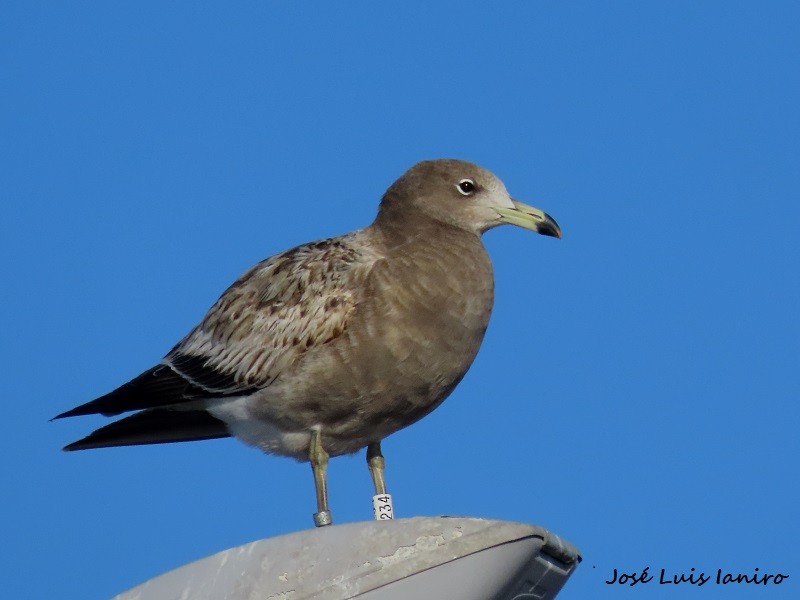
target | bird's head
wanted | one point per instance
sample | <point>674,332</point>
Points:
<point>460,194</point>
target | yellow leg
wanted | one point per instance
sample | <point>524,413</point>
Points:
<point>382,502</point>
<point>319,466</point>
<point>377,465</point>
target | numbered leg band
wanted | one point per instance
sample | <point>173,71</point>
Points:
<point>382,507</point>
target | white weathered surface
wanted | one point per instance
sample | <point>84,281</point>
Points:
<point>448,557</point>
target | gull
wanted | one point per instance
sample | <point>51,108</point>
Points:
<point>332,346</point>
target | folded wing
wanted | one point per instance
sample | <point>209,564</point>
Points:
<point>267,320</point>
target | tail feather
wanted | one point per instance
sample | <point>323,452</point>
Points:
<point>154,426</point>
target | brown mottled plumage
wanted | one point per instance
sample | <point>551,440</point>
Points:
<point>333,345</point>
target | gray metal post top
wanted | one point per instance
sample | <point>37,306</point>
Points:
<point>423,557</point>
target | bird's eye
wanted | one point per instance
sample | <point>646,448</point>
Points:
<point>466,187</point>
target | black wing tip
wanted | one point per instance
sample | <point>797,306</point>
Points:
<point>154,426</point>
<point>84,410</point>
<point>147,390</point>
<point>85,443</point>
<point>74,412</point>
<point>92,443</point>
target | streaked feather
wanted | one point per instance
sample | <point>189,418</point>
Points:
<point>273,314</point>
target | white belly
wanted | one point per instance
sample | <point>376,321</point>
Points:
<point>242,424</point>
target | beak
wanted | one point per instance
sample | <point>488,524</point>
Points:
<point>529,218</point>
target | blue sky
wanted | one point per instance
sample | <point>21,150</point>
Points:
<point>637,390</point>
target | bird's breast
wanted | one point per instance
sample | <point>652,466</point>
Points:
<point>409,342</point>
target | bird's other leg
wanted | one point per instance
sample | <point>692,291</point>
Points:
<point>381,501</point>
<point>319,466</point>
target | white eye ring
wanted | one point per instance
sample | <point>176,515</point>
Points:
<point>466,187</point>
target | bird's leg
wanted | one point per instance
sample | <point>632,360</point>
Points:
<point>377,465</point>
<point>319,466</point>
<point>381,501</point>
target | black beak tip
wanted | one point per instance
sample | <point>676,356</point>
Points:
<point>549,227</point>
